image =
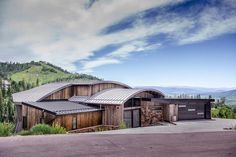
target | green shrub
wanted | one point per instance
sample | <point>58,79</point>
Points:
<point>25,133</point>
<point>223,111</point>
<point>6,129</point>
<point>57,129</point>
<point>215,112</point>
<point>122,125</point>
<point>40,129</point>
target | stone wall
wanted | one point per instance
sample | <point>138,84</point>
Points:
<point>151,113</point>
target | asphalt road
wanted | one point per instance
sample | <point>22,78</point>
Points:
<point>211,144</point>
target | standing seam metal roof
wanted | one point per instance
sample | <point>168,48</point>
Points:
<point>39,93</point>
<point>116,96</point>
<point>61,107</point>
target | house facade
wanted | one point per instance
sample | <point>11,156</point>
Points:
<point>81,104</point>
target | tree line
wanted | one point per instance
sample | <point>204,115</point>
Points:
<point>7,107</point>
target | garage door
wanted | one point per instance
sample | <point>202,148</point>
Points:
<point>191,111</point>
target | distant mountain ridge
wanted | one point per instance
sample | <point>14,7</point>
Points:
<point>188,90</point>
<point>216,93</point>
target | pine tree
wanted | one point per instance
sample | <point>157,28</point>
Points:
<point>1,105</point>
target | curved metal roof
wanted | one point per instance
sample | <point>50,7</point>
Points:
<point>61,107</point>
<point>41,92</point>
<point>117,96</point>
<point>37,93</point>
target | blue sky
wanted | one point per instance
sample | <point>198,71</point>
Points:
<point>151,43</point>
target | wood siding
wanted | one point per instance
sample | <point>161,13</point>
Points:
<point>34,115</point>
<point>65,93</point>
<point>86,119</point>
<point>99,87</point>
<point>112,115</point>
<point>81,90</point>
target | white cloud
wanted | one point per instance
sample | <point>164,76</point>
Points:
<point>212,24</point>
<point>65,32</point>
<point>62,32</point>
<point>114,57</point>
<point>89,65</point>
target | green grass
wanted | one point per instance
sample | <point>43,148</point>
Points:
<point>45,73</point>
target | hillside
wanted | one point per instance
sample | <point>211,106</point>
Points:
<point>230,93</point>
<point>42,72</point>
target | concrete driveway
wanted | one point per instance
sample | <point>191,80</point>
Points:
<point>217,144</point>
<point>213,125</point>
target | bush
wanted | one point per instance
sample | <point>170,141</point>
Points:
<point>57,129</point>
<point>41,129</point>
<point>122,125</point>
<point>215,112</point>
<point>6,129</point>
<point>223,112</point>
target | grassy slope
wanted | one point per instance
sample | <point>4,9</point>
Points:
<point>36,71</point>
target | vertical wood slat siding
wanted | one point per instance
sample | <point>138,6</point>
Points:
<point>33,116</point>
<point>99,87</point>
<point>81,90</point>
<point>86,119</point>
<point>65,93</point>
<point>112,115</point>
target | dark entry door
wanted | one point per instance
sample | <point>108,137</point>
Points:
<point>128,118</point>
<point>191,111</point>
<point>132,118</point>
<point>136,118</point>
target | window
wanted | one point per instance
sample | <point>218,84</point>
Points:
<point>134,102</point>
<point>24,122</point>
<point>74,123</point>
<point>191,109</point>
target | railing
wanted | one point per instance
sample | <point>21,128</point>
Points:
<point>188,96</point>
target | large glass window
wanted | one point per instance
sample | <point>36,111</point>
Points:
<point>135,102</point>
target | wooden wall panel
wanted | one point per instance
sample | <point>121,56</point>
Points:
<point>34,115</point>
<point>112,115</point>
<point>62,94</point>
<point>81,90</point>
<point>86,119</point>
<point>99,87</point>
<point>148,95</point>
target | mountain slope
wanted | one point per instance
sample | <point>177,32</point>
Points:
<point>42,72</point>
<point>230,93</point>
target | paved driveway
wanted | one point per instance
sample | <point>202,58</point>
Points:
<point>217,144</point>
<point>180,127</point>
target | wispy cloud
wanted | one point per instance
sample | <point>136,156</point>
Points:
<point>64,33</point>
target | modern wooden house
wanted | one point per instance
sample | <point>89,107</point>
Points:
<point>81,104</point>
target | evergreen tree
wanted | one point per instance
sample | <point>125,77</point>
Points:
<point>1,105</point>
